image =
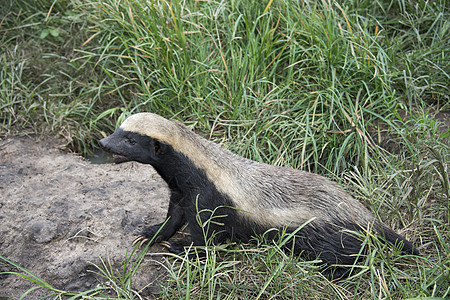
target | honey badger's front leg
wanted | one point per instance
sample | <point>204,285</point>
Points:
<point>208,222</point>
<point>174,221</point>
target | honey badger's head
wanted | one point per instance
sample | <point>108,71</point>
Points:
<point>131,146</point>
<point>138,139</point>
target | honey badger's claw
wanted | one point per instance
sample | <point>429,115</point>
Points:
<point>136,241</point>
<point>139,241</point>
<point>166,244</point>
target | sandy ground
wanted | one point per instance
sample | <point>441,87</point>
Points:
<point>59,213</point>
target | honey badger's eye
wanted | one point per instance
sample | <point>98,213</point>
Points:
<point>131,141</point>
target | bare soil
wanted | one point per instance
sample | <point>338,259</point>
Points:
<point>59,213</point>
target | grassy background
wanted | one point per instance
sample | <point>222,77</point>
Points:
<point>354,90</point>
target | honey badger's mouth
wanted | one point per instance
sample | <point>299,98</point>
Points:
<point>119,158</point>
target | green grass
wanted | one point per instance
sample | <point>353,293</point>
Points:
<point>348,89</point>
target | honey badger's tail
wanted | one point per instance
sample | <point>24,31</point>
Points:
<point>398,241</point>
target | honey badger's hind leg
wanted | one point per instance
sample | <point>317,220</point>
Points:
<point>337,246</point>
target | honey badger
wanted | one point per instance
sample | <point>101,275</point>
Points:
<point>244,198</point>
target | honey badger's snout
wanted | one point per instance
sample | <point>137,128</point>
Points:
<point>105,143</point>
<point>110,144</point>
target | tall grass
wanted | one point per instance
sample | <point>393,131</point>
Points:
<point>303,84</point>
<point>349,89</point>
<point>42,88</point>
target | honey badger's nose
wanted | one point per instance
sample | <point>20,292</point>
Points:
<point>104,143</point>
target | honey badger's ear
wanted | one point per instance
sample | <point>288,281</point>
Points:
<point>157,147</point>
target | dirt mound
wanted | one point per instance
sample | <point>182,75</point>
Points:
<point>59,213</point>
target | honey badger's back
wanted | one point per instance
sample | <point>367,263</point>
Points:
<point>270,195</point>
<point>264,196</point>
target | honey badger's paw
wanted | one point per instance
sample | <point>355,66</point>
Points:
<point>149,235</point>
<point>178,248</point>
<point>335,273</point>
